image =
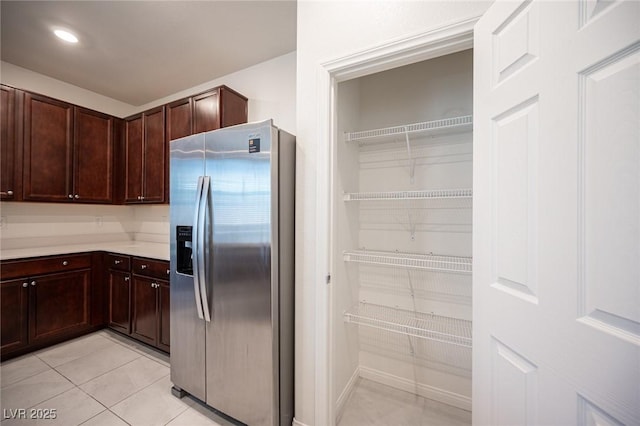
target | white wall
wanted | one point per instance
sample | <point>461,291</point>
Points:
<point>270,87</point>
<point>326,31</point>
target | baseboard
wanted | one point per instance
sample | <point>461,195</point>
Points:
<point>426,391</point>
<point>346,393</point>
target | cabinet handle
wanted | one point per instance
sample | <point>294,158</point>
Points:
<point>33,283</point>
<point>168,271</point>
<point>126,278</point>
<point>70,196</point>
<point>65,263</point>
<point>154,285</point>
<point>76,196</point>
<point>142,197</point>
<point>25,285</point>
<point>9,192</point>
<point>117,262</point>
<point>143,266</point>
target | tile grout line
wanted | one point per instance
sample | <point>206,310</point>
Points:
<point>24,378</point>
<point>100,375</point>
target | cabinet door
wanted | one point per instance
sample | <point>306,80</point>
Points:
<point>206,115</point>
<point>133,160</point>
<point>93,154</point>
<point>164,323</point>
<point>179,119</point>
<point>13,315</point>
<point>144,305</point>
<point>154,157</point>
<point>7,143</point>
<point>48,125</point>
<point>58,304</point>
<point>120,301</point>
<point>179,123</point>
<point>233,108</point>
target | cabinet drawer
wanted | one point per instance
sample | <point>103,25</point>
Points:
<point>44,265</point>
<point>118,262</point>
<point>151,268</point>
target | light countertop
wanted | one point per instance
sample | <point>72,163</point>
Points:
<point>158,251</point>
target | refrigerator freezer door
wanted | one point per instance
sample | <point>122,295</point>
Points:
<point>242,367</point>
<point>187,330</point>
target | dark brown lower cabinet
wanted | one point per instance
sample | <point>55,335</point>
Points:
<point>58,304</point>
<point>145,310</point>
<point>44,301</point>
<point>150,302</point>
<point>139,299</point>
<point>120,301</point>
<point>14,320</point>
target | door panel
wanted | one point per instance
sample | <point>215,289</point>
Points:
<point>240,336</point>
<point>179,119</point>
<point>206,115</point>
<point>14,302</point>
<point>93,156</point>
<point>7,143</point>
<point>556,145</point>
<point>144,303</point>
<point>48,135</point>
<point>134,158</point>
<point>120,301</point>
<point>187,331</point>
<point>59,303</point>
<point>154,156</point>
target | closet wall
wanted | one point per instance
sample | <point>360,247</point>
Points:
<point>401,254</point>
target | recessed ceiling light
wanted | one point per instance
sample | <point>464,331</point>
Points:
<point>66,36</point>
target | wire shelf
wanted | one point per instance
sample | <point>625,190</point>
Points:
<point>443,126</point>
<point>425,326</point>
<point>409,195</point>
<point>410,260</point>
<point>421,352</point>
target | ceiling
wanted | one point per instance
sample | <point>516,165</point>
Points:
<point>140,51</point>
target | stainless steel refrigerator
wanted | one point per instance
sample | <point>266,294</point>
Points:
<point>232,267</point>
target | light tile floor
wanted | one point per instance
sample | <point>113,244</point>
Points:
<point>373,404</point>
<point>105,379</point>
<point>100,379</point>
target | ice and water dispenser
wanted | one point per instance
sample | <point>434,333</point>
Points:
<point>184,250</point>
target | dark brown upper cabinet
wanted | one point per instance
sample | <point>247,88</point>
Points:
<point>48,144</point>
<point>145,163</point>
<point>68,152</point>
<point>9,189</point>
<point>92,156</point>
<point>210,110</point>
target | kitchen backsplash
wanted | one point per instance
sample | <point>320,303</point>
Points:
<point>24,225</point>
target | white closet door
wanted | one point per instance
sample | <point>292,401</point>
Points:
<point>556,222</point>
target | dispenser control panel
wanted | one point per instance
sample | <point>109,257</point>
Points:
<point>184,250</point>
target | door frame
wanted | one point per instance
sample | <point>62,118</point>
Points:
<point>436,42</point>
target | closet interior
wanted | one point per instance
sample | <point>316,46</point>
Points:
<point>401,243</point>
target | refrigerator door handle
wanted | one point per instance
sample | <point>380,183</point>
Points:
<point>204,207</point>
<point>196,249</point>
